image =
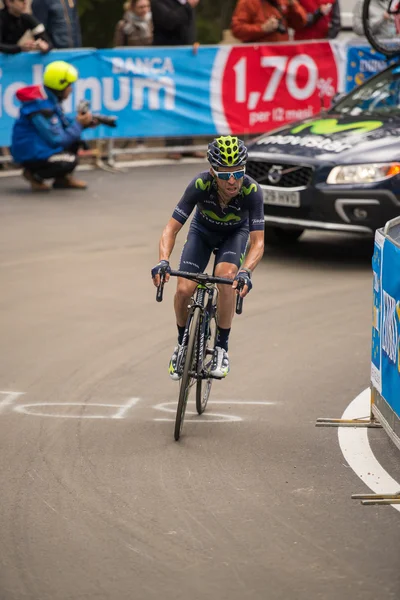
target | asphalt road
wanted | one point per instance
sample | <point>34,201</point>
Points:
<point>97,501</point>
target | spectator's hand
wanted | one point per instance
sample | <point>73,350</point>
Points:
<point>193,3</point>
<point>325,9</point>
<point>42,46</point>
<point>270,25</point>
<point>28,46</point>
<point>387,16</point>
<point>85,119</point>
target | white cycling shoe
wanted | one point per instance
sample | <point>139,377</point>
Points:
<point>220,365</point>
<point>173,373</point>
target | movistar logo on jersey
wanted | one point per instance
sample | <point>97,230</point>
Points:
<point>249,189</point>
<point>202,185</point>
<point>227,219</point>
<point>331,126</point>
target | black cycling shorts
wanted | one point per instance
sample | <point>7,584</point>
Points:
<point>201,242</point>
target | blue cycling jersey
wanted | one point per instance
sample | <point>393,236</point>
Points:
<point>246,210</point>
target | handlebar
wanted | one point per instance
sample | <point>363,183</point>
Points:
<point>201,278</point>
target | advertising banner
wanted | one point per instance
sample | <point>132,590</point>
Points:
<point>363,62</point>
<point>166,92</point>
<point>376,359</point>
<point>390,326</point>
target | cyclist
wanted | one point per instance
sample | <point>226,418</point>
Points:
<point>229,210</point>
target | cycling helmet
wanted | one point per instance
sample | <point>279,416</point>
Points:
<point>58,75</point>
<point>227,151</point>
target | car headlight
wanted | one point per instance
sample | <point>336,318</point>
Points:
<point>369,173</point>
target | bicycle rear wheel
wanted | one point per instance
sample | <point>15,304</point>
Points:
<point>187,375</point>
<point>203,387</point>
<point>382,33</point>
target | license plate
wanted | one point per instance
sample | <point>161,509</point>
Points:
<point>281,198</point>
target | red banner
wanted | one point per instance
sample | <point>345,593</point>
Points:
<point>263,87</point>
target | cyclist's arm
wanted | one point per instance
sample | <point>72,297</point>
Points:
<point>168,237</point>
<point>255,251</point>
<point>256,227</point>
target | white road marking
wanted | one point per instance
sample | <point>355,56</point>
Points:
<point>208,417</point>
<point>24,409</point>
<point>357,451</point>
<point>124,409</point>
<point>10,397</point>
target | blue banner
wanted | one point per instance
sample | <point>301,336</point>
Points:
<point>376,361</point>
<point>363,62</point>
<point>152,91</point>
<point>390,325</point>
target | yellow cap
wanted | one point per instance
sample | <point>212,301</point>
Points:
<point>58,75</point>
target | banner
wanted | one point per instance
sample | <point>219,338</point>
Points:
<point>362,63</point>
<point>376,359</point>
<point>390,333</point>
<point>157,92</point>
<point>385,364</point>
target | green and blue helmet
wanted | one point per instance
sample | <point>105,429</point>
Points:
<point>227,151</point>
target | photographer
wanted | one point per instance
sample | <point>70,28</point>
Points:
<point>44,141</point>
<point>267,20</point>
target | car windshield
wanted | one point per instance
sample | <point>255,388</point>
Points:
<point>380,95</point>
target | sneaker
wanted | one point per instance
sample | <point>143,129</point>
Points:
<point>69,182</point>
<point>37,184</point>
<point>220,365</point>
<point>173,373</point>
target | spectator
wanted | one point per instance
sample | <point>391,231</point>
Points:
<point>44,141</point>
<point>174,25</point>
<point>136,28</point>
<point>323,20</point>
<point>61,20</point>
<point>267,20</point>
<point>20,31</point>
<point>380,22</point>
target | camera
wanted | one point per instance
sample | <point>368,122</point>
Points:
<point>84,107</point>
<point>281,27</point>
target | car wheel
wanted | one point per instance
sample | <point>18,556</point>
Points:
<point>277,236</point>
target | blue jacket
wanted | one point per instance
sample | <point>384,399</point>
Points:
<point>61,20</point>
<point>42,128</point>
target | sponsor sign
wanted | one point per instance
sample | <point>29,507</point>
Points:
<point>265,86</point>
<point>385,366</point>
<point>363,62</point>
<point>173,92</point>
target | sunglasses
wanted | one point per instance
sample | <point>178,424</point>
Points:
<point>226,175</point>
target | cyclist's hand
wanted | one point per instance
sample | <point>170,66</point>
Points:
<point>244,278</point>
<point>162,267</point>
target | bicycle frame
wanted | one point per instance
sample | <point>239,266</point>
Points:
<point>191,358</point>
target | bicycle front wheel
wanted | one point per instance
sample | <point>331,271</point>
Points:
<point>382,33</point>
<point>203,387</point>
<point>189,370</point>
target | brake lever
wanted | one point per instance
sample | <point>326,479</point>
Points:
<point>239,299</point>
<point>160,288</point>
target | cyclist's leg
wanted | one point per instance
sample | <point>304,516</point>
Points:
<point>194,258</point>
<point>228,260</point>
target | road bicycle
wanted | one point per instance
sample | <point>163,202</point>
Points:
<point>198,344</point>
<point>373,18</point>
